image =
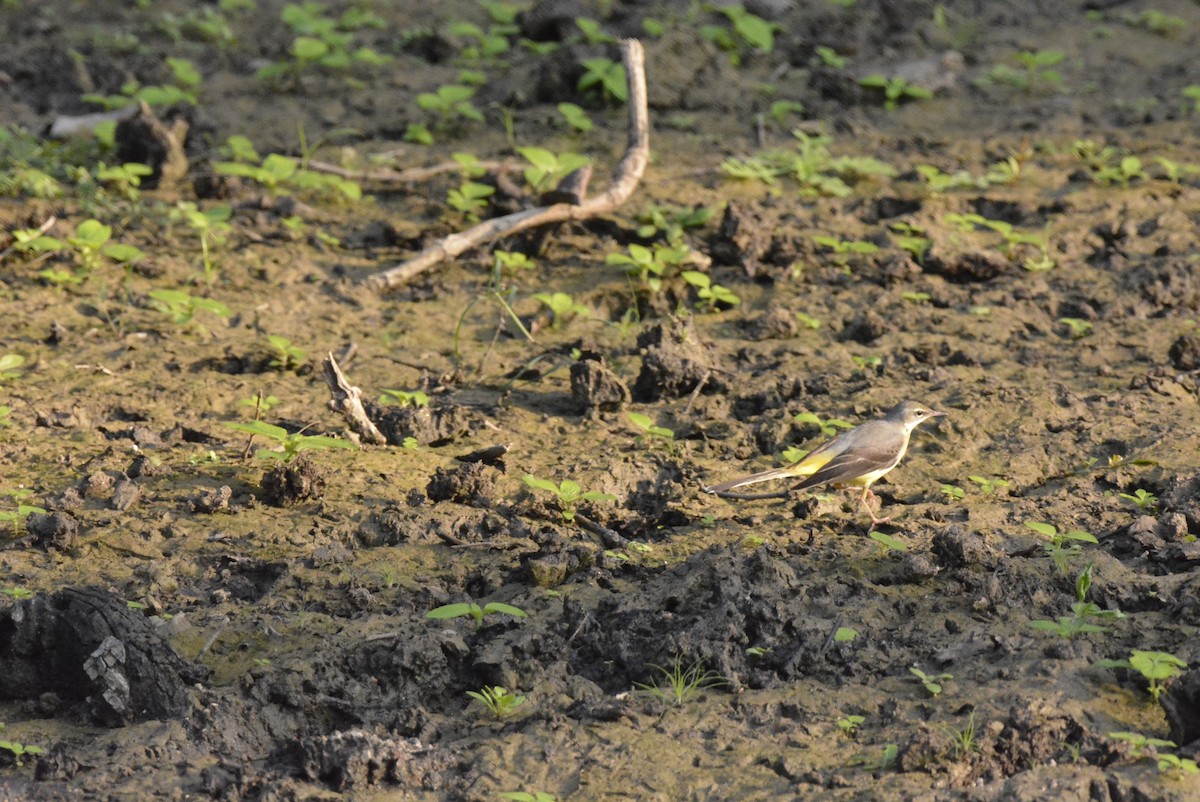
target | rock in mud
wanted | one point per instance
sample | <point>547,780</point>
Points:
<point>293,482</point>
<point>674,362</point>
<point>211,499</point>
<point>742,239</point>
<point>53,530</point>
<point>777,323</point>
<point>595,388</point>
<point>357,759</point>
<point>1185,353</point>
<point>429,426</point>
<point>86,645</point>
<point>957,548</point>
<point>1181,703</point>
<point>472,484</point>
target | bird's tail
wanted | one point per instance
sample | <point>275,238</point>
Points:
<point>785,472</point>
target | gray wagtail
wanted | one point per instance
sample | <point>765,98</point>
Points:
<point>855,458</point>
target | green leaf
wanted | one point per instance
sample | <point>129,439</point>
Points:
<point>120,252</point>
<point>453,610</point>
<point>540,484</point>
<point>889,542</point>
<point>845,634</point>
<point>277,433</point>
<point>1042,529</point>
<point>507,609</point>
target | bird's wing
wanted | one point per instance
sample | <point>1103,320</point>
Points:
<point>871,450</point>
<point>811,463</point>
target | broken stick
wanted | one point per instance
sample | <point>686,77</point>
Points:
<point>625,180</point>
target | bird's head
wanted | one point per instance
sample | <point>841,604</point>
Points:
<point>912,414</point>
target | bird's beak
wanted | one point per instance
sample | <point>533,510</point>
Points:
<point>933,413</point>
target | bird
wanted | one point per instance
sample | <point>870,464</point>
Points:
<point>855,458</point>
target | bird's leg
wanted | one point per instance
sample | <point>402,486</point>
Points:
<point>875,520</point>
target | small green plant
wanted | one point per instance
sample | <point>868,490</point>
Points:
<point>844,634</point>
<point>828,426</point>
<point>842,250</point>
<point>211,226</point>
<point>1176,766</point>
<point>1036,71</point>
<point>575,117</point>
<point>1082,612</point>
<point>568,493</point>
<point>125,178</point>
<point>670,222</point>
<point>895,89</point>
<point>849,725</point>
<point>1157,668</point>
<point>710,295</point>
<point>546,168</point>
<point>888,542</point>
<point>17,593</point>
<point>470,198</point>
<point>1156,22</point>
<point>561,305</point>
<point>1078,327</point>
<point>749,32</point>
<point>808,321</point>
<point>988,485</point>
<point>90,247</point>
<point>916,297</point>
<point>811,165</point>
<point>678,685</point>
<point>1140,743</point>
<point>181,306</point>
<point>649,267</point>
<point>830,58</point>
<point>284,355</point>
<point>5,420</point>
<point>1192,93</point>
<point>322,42</point>
<point>931,682</point>
<point>260,403</point>
<point>605,76</point>
<point>17,517</point>
<point>288,445</point>
<point>885,761</point>
<point>20,751</point>
<point>528,796</point>
<point>403,398</point>
<point>182,89</point>
<point>499,701</point>
<point>593,34</point>
<point>952,492</point>
<point>1143,499</point>
<point>276,173</point>
<point>1062,545</point>
<point>964,741</point>
<point>650,432</point>
<point>450,103</point>
<point>512,263</point>
<point>10,365</point>
<point>474,611</point>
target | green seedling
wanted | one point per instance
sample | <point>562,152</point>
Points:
<point>575,117</point>
<point>473,610</point>
<point>592,33</point>
<point>649,266</point>
<point>480,44</point>
<point>470,198</point>
<point>528,796</point>
<point>830,58</point>
<point>1157,668</point>
<point>20,750</point>
<point>183,89</point>
<point>283,173</point>
<point>938,182</point>
<point>1140,743</point>
<point>1062,545</point>
<point>10,365</point>
<point>403,398</point>
<point>90,247</point>
<point>1192,93</point>
<point>260,403</point>
<point>605,76</point>
<point>568,493</point>
<point>1143,499</point>
<point>791,455</point>
<point>808,321</point>
<point>181,306</point>
<point>650,432</point>
<point>912,239</point>
<point>916,297</point>
<point>1156,22</point>
<point>1176,766</point>
<point>781,110</point>
<point>211,226</point>
<point>865,362</point>
<point>1173,171</point>
<point>1082,611</point>
<point>952,492</point>
<point>964,741</point>
<point>842,250</point>
<point>811,165</point>
<point>828,426</point>
<point>670,222</point>
<point>678,685</point>
<point>888,542</point>
<point>499,701</point>
<point>844,634</point>
<point>561,305</point>
<point>1036,71</point>
<point>758,651</point>
<point>931,683</point>
<point>749,31</point>
<point>988,485</point>
<point>5,420</point>
<point>288,445</point>
<point>17,517</point>
<point>450,103</point>
<point>886,759</point>
<point>895,90</point>
<point>17,593</point>
<point>322,42</point>
<point>511,263</point>
<point>710,295</point>
<point>125,178</point>
<point>849,725</point>
<point>284,355</point>
<point>546,169</point>
<point>1078,327</point>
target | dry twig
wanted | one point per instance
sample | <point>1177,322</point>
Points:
<point>347,399</point>
<point>625,180</point>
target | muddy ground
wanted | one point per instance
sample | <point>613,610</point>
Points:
<point>185,620</point>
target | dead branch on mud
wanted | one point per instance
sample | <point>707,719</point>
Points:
<point>626,177</point>
<point>347,399</point>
